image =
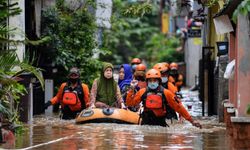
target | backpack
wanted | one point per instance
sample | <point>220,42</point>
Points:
<point>160,108</point>
<point>74,98</point>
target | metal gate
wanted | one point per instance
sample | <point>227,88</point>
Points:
<point>206,80</point>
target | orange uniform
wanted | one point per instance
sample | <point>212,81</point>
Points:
<point>178,83</point>
<point>134,99</point>
<point>175,78</point>
<point>59,96</point>
<point>171,87</point>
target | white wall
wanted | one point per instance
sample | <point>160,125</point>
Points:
<point>47,3</point>
<point>103,13</point>
<point>192,56</point>
<point>18,22</point>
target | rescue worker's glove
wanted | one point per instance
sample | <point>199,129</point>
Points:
<point>46,105</point>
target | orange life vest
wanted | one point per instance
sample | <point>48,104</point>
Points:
<point>72,98</point>
<point>156,103</point>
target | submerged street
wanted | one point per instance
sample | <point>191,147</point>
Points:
<point>49,132</point>
<point>124,74</point>
<point>52,133</point>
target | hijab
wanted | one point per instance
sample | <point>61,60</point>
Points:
<point>127,76</point>
<point>106,88</point>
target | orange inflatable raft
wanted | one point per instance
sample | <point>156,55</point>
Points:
<point>108,115</point>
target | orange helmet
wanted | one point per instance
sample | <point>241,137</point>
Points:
<point>173,66</point>
<point>153,73</point>
<point>165,64</point>
<point>161,67</point>
<point>140,67</point>
<point>136,61</point>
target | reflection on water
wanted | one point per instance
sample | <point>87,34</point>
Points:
<point>51,133</point>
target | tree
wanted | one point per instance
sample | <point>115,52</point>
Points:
<point>72,34</point>
<point>134,30</point>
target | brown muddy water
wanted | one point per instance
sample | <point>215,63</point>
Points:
<point>53,133</point>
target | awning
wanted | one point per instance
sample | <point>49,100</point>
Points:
<point>222,19</point>
<point>223,24</point>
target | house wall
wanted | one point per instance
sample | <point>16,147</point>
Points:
<point>192,57</point>
<point>243,65</point>
<point>232,82</point>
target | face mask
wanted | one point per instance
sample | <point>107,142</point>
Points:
<point>133,67</point>
<point>164,79</point>
<point>153,85</point>
<point>73,81</point>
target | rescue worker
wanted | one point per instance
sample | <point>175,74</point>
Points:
<point>73,95</point>
<point>175,77</point>
<point>134,63</point>
<point>163,68</point>
<point>105,91</point>
<point>140,76</point>
<point>156,101</point>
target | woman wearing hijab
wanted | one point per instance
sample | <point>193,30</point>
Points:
<point>125,78</point>
<point>105,91</point>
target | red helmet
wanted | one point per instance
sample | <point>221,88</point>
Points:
<point>161,67</point>
<point>173,66</point>
<point>136,61</point>
<point>153,73</point>
<point>140,67</point>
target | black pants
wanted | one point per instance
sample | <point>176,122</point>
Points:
<point>67,113</point>
<point>149,118</point>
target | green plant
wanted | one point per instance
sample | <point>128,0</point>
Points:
<point>211,3</point>
<point>6,11</point>
<point>11,67</point>
<point>243,8</point>
<point>162,49</point>
<point>72,34</point>
<point>129,33</point>
<point>248,109</point>
<point>11,90</point>
<point>138,9</point>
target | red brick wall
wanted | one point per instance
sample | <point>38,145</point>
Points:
<point>241,136</point>
<point>232,51</point>
<point>242,65</point>
<point>227,121</point>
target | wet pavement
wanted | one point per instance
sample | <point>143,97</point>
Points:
<point>52,133</point>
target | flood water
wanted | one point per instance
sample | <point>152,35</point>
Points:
<point>53,133</point>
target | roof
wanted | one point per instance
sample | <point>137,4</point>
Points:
<point>228,8</point>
